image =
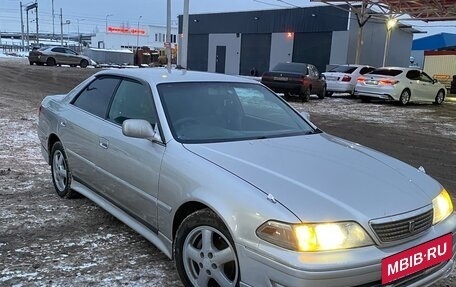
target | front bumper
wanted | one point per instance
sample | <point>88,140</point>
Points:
<point>360,267</point>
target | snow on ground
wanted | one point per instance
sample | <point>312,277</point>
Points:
<point>388,114</point>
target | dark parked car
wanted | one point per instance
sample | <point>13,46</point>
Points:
<point>52,56</point>
<point>295,79</point>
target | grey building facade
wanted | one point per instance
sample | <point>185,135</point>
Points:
<point>255,41</point>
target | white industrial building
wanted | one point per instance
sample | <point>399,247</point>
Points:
<point>123,37</point>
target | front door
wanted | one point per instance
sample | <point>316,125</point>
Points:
<point>220,58</point>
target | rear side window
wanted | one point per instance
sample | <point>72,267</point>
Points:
<point>366,70</point>
<point>96,96</point>
<point>386,72</point>
<point>58,50</point>
<point>413,75</point>
<point>343,69</point>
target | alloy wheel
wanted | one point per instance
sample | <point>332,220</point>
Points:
<point>209,258</point>
<point>59,170</point>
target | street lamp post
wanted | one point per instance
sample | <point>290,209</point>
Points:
<point>79,34</point>
<point>390,24</point>
<point>137,34</point>
<point>108,15</point>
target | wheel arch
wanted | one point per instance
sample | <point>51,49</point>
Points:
<point>185,210</point>
<point>53,138</point>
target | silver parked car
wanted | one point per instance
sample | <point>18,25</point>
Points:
<point>226,178</point>
<point>343,78</point>
<point>52,56</point>
<point>400,84</point>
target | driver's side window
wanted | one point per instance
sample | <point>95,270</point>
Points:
<point>132,100</point>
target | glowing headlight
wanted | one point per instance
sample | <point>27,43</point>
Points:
<point>314,237</point>
<point>443,206</point>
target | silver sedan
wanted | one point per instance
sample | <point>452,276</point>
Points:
<point>239,189</point>
<point>400,84</point>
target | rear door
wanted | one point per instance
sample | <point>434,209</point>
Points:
<point>415,85</point>
<point>129,167</point>
<point>72,57</point>
<point>317,82</point>
<point>59,55</point>
<point>80,126</point>
<point>429,90</point>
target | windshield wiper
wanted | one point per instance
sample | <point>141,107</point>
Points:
<point>316,131</point>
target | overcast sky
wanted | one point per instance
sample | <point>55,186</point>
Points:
<point>92,13</point>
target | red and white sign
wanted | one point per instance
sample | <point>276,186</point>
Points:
<point>126,30</point>
<point>417,258</point>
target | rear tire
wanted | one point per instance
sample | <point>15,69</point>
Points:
<point>50,62</point>
<point>329,94</point>
<point>323,93</point>
<point>404,99</point>
<point>305,96</point>
<point>440,97</point>
<point>31,63</point>
<point>61,175</point>
<point>204,251</point>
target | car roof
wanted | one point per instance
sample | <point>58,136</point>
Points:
<point>157,76</point>
<point>398,68</point>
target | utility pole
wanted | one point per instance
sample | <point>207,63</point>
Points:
<point>28,39</point>
<point>22,26</point>
<point>168,33</point>
<point>61,28</point>
<point>37,31</point>
<point>53,26</point>
<point>184,48</point>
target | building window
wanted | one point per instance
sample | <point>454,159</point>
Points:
<point>156,37</point>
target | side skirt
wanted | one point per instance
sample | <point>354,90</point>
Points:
<point>160,241</point>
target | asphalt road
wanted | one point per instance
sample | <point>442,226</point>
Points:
<point>47,241</point>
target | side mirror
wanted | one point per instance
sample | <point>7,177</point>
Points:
<point>140,129</point>
<point>322,77</point>
<point>305,115</point>
<point>434,81</point>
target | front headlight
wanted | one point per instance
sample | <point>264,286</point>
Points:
<point>314,237</point>
<point>443,206</point>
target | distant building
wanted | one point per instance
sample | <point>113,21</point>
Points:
<point>239,42</point>
<point>122,37</point>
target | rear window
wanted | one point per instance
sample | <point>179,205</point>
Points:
<point>343,69</point>
<point>386,72</point>
<point>291,67</point>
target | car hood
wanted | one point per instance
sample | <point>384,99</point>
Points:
<point>323,178</point>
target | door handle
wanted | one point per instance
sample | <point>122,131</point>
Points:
<point>103,143</point>
<point>63,123</point>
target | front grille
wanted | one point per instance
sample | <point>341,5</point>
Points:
<point>401,229</point>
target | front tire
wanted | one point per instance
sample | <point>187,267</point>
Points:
<point>205,253</point>
<point>440,97</point>
<point>61,175</point>
<point>84,63</point>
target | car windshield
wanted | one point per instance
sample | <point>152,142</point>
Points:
<point>386,72</point>
<point>343,69</point>
<point>203,112</point>
<point>291,68</point>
